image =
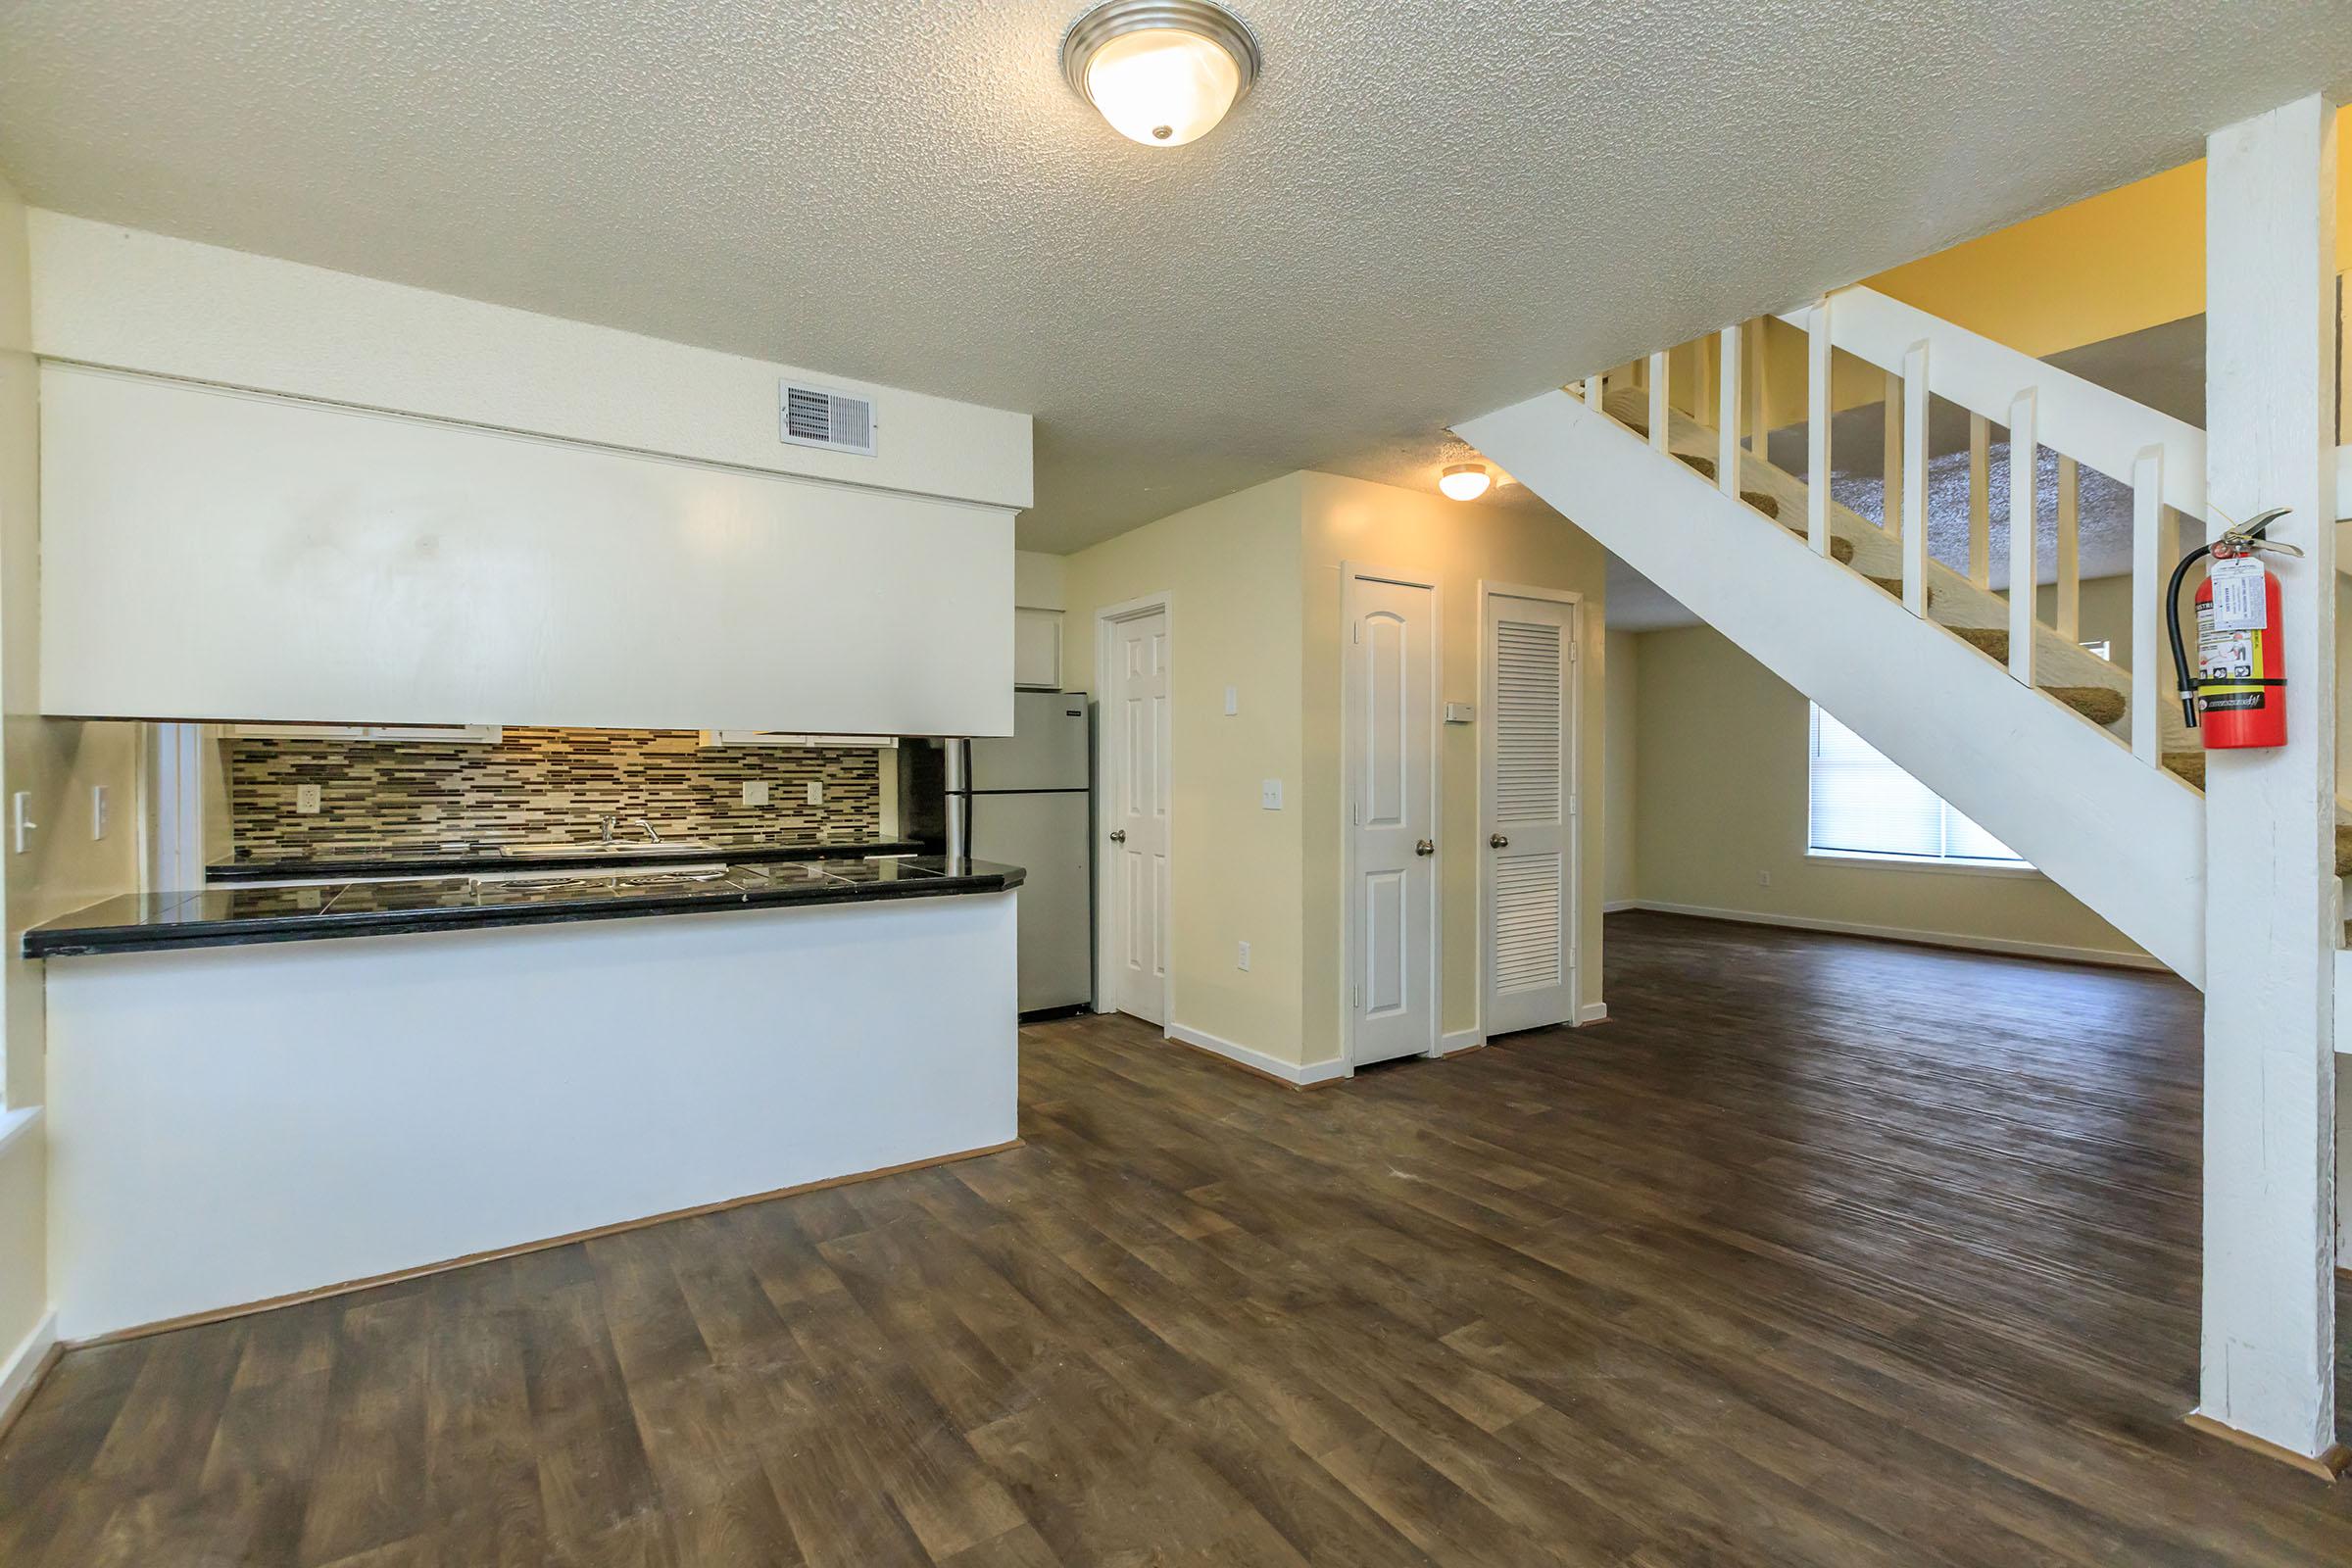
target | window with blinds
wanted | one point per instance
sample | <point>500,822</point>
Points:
<point>1862,804</point>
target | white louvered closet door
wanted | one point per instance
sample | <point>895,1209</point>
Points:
<point>1528,834</point>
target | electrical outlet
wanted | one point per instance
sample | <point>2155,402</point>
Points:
<point>97,811</point>
<point>1233,700</point>
<point>816,791</point>
<point>306,799</point>
<point>1241,959</point>
<point>1763,879</point>
<point>1269,794</point>
<point>754,792</point>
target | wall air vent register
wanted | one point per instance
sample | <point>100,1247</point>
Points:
<point>814,416</point>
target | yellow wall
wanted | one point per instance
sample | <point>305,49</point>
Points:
<point>56,761</point>
<point>2126,258</point>
<point>1720,771</point>
<point>1406,532</point>
<point>1232,565</point>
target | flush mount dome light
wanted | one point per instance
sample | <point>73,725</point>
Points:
<point>1465,481</point>
<point>1163,71</point>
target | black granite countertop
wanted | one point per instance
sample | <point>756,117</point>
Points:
<point>543,894</point>
<point>740,849</point>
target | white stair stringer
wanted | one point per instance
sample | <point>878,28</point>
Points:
<point>2127,839</point>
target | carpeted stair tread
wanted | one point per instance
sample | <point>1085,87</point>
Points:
<point>1704,468</point>
<point>2101,704</point>
<point>1991,641</point>
<point>1768,505</point>
<point>2343,849</point>
<point>1895,586</point>
<point>2189,766</point>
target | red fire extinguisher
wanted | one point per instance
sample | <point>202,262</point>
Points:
<point>2239,690</point>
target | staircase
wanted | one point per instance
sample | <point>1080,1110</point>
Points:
<point>2080,766</point>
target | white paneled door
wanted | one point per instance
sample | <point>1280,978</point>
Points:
<point>1528,808</point>
<point>1136,813</point>
<point>1392,864</point>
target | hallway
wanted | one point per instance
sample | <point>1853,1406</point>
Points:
<point>1779,1266</point>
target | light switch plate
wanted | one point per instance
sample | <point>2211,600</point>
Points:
<point>816,791</point>
<point>306,800</point>
<point>97,811</point>
<point>19,813</point>
<point>754,792</point>
<point>1269,794</point>
<point>1241,959</point>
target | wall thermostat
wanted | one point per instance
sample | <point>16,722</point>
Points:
<point>1460,714</point>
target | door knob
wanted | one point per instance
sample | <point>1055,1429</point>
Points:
<point>1500,841</point>
<point>1425,847</point>
<point>1118,835</point>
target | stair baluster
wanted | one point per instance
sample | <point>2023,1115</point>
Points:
<point>1727,413</point>
<point>1819,406</point>
<point>2154,547</point>
<point>1915,477</point>
<point>2025,505</point>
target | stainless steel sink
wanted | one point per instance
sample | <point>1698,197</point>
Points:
<point>632,850</point>
<point>651,876</point>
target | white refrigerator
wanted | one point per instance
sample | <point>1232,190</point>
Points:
<point>1027,800</point>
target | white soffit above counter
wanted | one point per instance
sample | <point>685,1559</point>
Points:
<point>128,300</point>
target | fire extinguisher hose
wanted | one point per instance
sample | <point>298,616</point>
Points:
<point>2172,621</point>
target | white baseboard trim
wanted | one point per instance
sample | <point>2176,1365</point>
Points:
<point>1289,1072</point>
<point>24,1366</point>
<point>1593,1013</point>
<point>1459,1040</point>
<point>1613,906</point>
<point>1892,933</point>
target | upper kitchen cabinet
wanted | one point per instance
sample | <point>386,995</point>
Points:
<point>416,508</point>
<point>1037,649</point>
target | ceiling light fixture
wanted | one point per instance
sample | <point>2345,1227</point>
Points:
<point>1465,481</point>
<point>1163,71</point>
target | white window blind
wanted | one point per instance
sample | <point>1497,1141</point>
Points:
<point>1862,804</point>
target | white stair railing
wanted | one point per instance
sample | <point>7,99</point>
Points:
<point>2042,406</point>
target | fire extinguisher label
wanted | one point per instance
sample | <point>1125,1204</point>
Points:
<point>2238,601</point>
<point>2225,656</point>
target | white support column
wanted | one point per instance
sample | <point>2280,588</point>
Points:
<point>1727,413</point>
<point>2068,616</point>
<point>1661,378</point>
<point>1818,411</point>
<point>1595,388</point>
<point>1979,499</point>
<point>2153,555</point>
<point>2267,1363</point>
<point>2024,525</point>
<point>1915,477</point>
<point>1890,504</point>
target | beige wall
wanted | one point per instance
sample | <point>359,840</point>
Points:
<point>56,763</point>
<point>1232,568</point>
<point>1256,580</point>
<point>1620,798</point>
<point>1457,546</point>
<point>1720,771</point>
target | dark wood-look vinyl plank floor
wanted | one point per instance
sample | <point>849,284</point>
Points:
<point>1821,1251</point>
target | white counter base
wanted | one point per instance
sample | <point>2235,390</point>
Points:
<point>228,1125</point>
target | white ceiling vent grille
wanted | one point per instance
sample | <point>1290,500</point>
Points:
<point>834,420</point>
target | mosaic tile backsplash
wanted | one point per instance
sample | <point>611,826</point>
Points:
<point>537,786</point>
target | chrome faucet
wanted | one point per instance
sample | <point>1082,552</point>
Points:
<point>650,837</point>
<point>608,823</point>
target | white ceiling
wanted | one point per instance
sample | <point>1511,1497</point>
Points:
<point>1427,209</point>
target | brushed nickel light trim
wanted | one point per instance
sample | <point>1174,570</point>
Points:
<point>1115,18</point>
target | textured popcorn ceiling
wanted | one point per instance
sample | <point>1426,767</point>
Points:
<point>1427,209</point>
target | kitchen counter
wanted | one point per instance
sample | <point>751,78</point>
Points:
<point>543,893</point>
<point>239,1112</point>
<point>741,848</point>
